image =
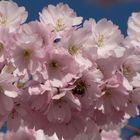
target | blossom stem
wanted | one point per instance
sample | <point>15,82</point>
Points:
<point>133,129</point>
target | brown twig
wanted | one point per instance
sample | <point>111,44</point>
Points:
<point>136,130</point>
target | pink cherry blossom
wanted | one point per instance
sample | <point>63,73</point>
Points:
<point>6,40</point>
<point>6,85</point>
<point>79,48</point>
<point>58,19</point>
<point>67,130</point>
<point>133,26</point>
<point>130,69</point>
<point>132,40</point>
<point>111,135</point>
<point>35,31</point>
<point>106,42</point>
<point>111,90</point>
<point>58,68</point>
<point>62,107</point>
<point>11,16</point>
<point>28,52</point>
<point>86,87</point>
<point>133,102</point>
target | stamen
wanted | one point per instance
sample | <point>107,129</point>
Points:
<point>1,90</point>
<point>3,20</point>
<point>107,92</point>
<point>100,41</point>
<point>54,65</point>
<point>59,102</point>
<point>59,25</point>
<point>26,54</point>
<point>73,49</point>
<point>20,85</point>
<point>1,46</point>
<point>127,70</point>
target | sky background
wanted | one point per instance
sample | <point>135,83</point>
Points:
<point>117,13</point>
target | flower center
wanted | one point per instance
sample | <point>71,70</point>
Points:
<point>1,46</point>
<point>100,41</point>
<point>12,114</point>
<point>59,102</point>
<point>3,20</point>
<point>129,101</point>
<point>26,54</point>
<point>73,49</point>
<point>107,92</point>
<point>80,88</point>
<point>1,90</point>
<point>20,85</point>
<point>54,65</point>
<point>59,25</point>
<point>127,70</point>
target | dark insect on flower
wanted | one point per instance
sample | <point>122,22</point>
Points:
<point>80,88</point>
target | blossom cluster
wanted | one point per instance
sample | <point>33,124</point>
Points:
<point>65,76</point>
<point>24,133</point>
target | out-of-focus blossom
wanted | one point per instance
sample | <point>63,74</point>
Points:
<point>133,26</point>
<point>135,138</point>
<point>132,40</point>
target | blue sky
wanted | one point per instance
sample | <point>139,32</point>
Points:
<point>118,13</point>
